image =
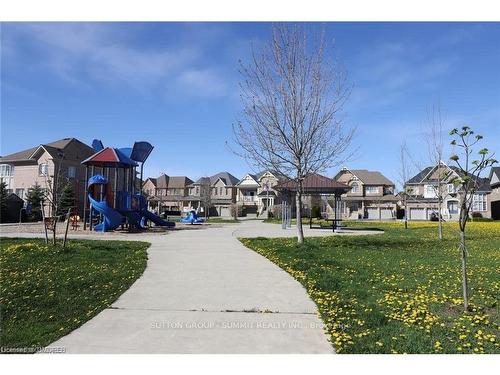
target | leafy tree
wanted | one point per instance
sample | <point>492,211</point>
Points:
<point>36,196</point>
<point>67,199</point>
<point>3,200</point>
<point>467,183</point>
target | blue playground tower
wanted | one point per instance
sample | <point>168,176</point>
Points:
<point>113,197</point>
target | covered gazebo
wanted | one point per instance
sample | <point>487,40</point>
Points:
<point>316,184</point>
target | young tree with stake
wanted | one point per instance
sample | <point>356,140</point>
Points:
<point>470,172</point>
<point>292,94</point>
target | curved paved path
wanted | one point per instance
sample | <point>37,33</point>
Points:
<point>204,292</point>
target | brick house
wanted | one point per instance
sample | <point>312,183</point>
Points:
<point>59,160</point>
<point>371,195</point>
<point>423,194</point>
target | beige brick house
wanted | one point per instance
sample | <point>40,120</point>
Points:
<point>166,192</point>
<point>495,193</point>
<point>43,163</point>
<point>371,195</point>
<point>423,194</point>
<point>216,192</point>
<point>256,194</point>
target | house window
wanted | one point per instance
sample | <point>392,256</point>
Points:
<point>227,191</point>
<point>6,170</point>
<point>354,187</point>
<point>220,191</point>
<point>43,169</point>
<point>197,190</point>
<point>20,193</point>
<point>429,190</point>
<point>371,189</point>
<point>71,172</point>
<point>215,191</point>
<point>479,202</point>
<point>453,207</point>
<point>451,188</point>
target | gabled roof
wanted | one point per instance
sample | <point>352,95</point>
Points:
<point>179,181</point>
<point>371,177</point>
<point>172,182</point>
<point>494,176</point>
<point>152,179</point>
<point>162,181</point>
<point>253,176</point>
<point>314,184</point>
<point>226,177</point>
<point>259,175</point>
<point>421,177</point>
<point>53,148</point>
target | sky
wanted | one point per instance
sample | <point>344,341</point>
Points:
<point>175,85</point>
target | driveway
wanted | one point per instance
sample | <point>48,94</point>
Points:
<point>204,292</point>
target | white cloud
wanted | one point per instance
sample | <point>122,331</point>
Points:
<point>82,53</point>
<point>385,71</point>
<point>203,82</point>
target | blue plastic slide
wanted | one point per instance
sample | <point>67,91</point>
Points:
<point>156,219</point>
<point>112,218</point>
<point>192,218</point>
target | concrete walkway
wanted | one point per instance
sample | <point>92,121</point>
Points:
<point>204,292</point>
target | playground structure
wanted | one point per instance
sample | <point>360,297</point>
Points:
<point>192,218</point>
<point>113,197</point>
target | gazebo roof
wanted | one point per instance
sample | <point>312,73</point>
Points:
<point>314,184</point>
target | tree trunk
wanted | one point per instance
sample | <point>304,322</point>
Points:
<point>440,221</point>
<point>440,226</point>
<point>465,286</point>
<point>406,214</point>
<point>298,205</point>
<point>54,229</point>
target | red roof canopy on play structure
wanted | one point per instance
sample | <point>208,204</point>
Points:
<point>110,157</point>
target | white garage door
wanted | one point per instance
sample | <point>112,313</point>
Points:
<point>386,213</point>
<point>417,214</point>
<point>372,213</point>
<point>225,211</point>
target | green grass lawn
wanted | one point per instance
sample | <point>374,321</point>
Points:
<point>46,293</point>
<point>398,292</point>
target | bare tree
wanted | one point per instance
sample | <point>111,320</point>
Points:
<point>54,185</point>
<point>292,94</point>
<point>467,183</point>
<point>433,136</point>
<point>206,195</point>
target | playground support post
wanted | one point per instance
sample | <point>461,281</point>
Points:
<point>142,175</point>
<point>85,198</point>
<point>90,206</point>
<point>115,188</point>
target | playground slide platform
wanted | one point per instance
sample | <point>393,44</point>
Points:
<point>112,218</point>
<point>156,219</point>
<point>134,218</point>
